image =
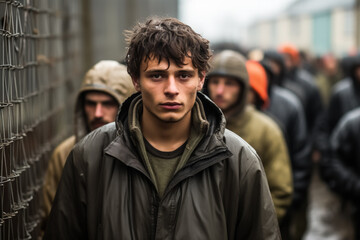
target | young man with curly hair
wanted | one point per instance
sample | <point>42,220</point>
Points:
<point>168,168</point>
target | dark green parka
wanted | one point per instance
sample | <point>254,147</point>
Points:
<point>106,191</point>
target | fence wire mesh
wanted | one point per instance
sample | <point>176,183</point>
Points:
<point>39,73</point>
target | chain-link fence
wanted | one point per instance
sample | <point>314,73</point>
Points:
<point>39,75</point>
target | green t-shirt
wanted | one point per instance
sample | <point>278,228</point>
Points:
<point>161,167</point>
<point>163,164</point>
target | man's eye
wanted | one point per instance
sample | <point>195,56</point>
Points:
<point>110,104</point>
<point>230,84</point>
<point>213,82</point>
<point>90,103</point>
<point>185,76</point>
<point>156,76</point>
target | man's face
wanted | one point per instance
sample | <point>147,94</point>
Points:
<point>275,67</point>
<point>224,91</point>
<point>100,109</point>
<point>289,63</point>
<point>168,91</point>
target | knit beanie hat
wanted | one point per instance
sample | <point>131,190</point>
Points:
<point>258,80</point>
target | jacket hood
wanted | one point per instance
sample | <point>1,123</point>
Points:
<point>229,63</point>
<point>270,74</point>
<point>272,55</point>
<point>106,76</point>
<point>213,115</point>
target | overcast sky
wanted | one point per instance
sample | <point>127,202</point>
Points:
<point>226,19</point>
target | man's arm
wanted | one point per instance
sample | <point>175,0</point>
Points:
<point>257,217</point>
<point>278,171</point>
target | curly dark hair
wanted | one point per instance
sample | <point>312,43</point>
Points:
<point>165,38</point>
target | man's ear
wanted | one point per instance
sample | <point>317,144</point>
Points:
<point>201,81</point>
<point>136,82</point>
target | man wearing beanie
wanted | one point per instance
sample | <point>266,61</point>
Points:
<point>228,86</point>
<point>105,86</point>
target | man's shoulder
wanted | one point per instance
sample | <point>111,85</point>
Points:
<point>350,121</point>
<point>245,158</point>
<point>286,96</point>
<point>265,121</point>
<point>237,144</point>
<point>260,124</point>
<point>99,138</point>
<point>68,143</point>
<point>343,86</point>
<point>61,152</point>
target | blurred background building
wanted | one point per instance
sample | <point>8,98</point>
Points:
<point>318,26</point>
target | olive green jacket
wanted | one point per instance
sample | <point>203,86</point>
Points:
<point>265,136</point>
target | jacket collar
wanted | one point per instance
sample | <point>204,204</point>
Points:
<point>210,150</point>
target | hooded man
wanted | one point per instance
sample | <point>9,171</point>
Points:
<point>168,168</point>
<point>228,86</point>
<point>285,108</point>
<point>105,86</point>
<point>342,168</point>
<point>302,84</point>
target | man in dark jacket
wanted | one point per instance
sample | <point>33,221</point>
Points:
<point>302,84</point>
<point>169,169</point>
<point>287,110</point>
<point>345,96</point>
<point>341,168</point>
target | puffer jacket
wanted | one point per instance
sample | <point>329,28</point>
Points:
<point>106,191</point>
<point>341,168</point>
<point>302,84</point>
<point>287,111</point>
<point>257,129</point>
<point>106,76</point>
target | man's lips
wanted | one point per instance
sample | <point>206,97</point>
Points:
<point>171,105</point>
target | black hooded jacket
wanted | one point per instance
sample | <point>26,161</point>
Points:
<point>286,109</point>
<point>301,83</point>
<point>341,168</point>
<point>345,97</point>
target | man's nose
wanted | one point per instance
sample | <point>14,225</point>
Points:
<point>171,86</point>
<point>220,88</point>
<point>99,110</point>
